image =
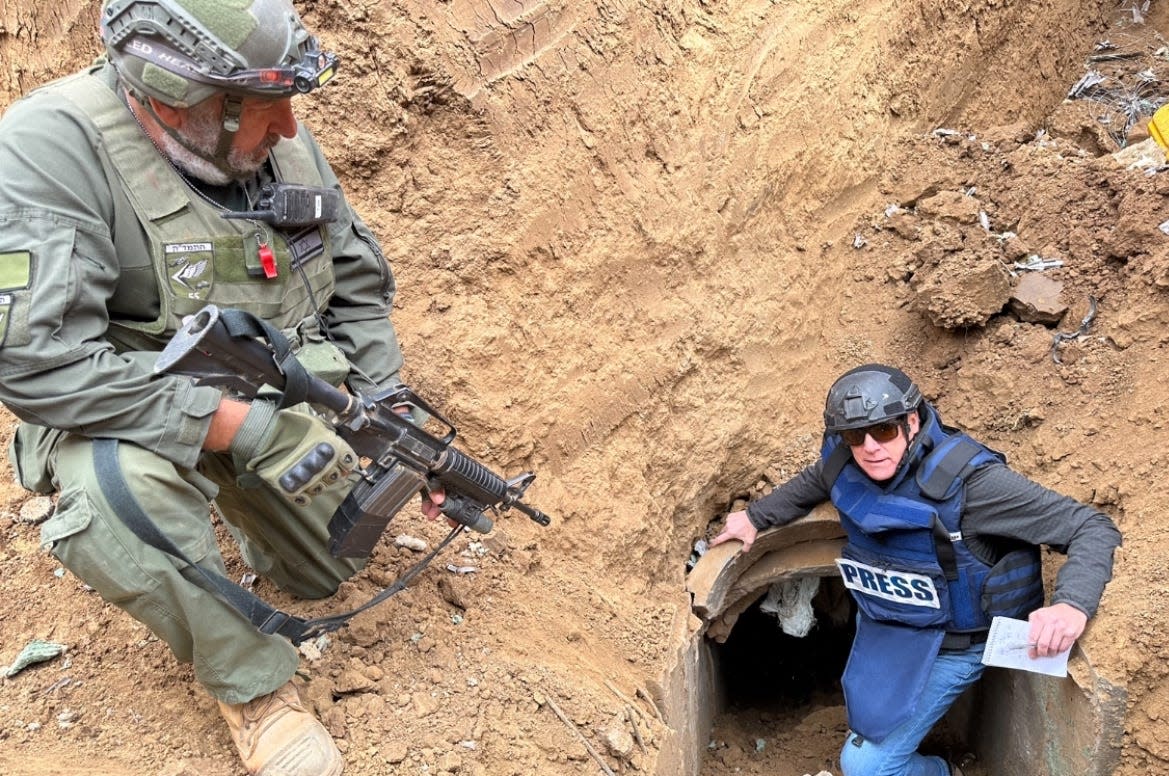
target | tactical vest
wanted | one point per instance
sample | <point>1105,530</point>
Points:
<point>911,575</point>
<point>198,256</point>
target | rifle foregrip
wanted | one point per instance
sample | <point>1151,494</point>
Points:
<point>466,475</point>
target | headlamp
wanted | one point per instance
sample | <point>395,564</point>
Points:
<point>314,69</point>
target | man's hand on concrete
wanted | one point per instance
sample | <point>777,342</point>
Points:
<point>738,526</point>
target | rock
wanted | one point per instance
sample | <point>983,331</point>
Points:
<point>951,206</point>
<point>411,543</point>
<point>350,681</point>
<point>1016,249</point>
<point>1037,299</point>
<point>395,752</point>
<point>905,225</point>
<point>451,593</point>
<point>617,738</point>
<point>962,292</point>
<point>424,704</point>
<point>37,510</point>
<point>450,762</point>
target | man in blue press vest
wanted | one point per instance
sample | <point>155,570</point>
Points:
<point>942,537</point>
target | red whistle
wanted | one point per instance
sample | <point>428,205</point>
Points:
<point>267,261</point>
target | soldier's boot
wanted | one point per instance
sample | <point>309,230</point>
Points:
<point>277,736</point>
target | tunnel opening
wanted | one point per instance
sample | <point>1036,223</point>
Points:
<point>761,665</point>
<point>777,679</point>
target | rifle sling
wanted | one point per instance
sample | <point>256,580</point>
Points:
<point>266,618</point>
<point>242,324</point>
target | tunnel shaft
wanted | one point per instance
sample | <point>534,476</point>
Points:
<point>1004,720</point>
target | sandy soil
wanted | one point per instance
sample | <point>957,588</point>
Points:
<point>635,242</point>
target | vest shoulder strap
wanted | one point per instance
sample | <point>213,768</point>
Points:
<point>951,462</point>
<point>834,464</point>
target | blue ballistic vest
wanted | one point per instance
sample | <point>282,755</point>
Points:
<point>910,573</point>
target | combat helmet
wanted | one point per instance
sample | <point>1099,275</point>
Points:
<point>869,394</point>
<point>182,52</point>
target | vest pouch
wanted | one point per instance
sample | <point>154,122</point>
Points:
<point>30,454</point>
<point>1014,585</point>
<point>895,590</point>
<point>323,359</point>
<point>886,672</point>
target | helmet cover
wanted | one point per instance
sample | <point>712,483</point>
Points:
<point>182,52</point>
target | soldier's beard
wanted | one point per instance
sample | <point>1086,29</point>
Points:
<point>201,133</point>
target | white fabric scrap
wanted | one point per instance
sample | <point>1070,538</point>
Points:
<point>791,602</point>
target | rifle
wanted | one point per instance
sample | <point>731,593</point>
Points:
<point>236,350</point>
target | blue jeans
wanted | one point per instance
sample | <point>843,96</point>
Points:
<point>897,755</point>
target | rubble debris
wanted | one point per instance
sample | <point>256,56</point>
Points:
<point>36,651</point>
<point>1062,337</point>
<point>410,543</point>
<point>1036,263</point>
<point>547,700</point>
<point>962,291</point>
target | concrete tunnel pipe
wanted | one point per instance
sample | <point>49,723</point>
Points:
<point>1016,723</point>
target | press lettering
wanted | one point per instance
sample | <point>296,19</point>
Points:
<point>924,588</point>
<point>905,588</point>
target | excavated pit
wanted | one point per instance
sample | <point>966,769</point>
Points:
<point>736,656</point>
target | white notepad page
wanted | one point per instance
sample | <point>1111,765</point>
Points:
<point>1007,647</point>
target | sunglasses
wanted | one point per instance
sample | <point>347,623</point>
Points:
<point>880,432</point>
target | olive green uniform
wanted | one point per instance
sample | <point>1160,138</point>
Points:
<point>104,247</point>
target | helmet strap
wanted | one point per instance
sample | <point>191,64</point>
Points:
<point>233,107</point>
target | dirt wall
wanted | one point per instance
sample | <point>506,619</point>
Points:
<point>625,235</point>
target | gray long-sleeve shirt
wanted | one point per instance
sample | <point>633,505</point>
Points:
<point>1000,506</point>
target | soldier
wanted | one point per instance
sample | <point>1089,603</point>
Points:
<point>942,537</point>
<point>114,185</point>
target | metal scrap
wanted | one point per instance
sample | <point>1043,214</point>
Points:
<point>1087,82</point>
<point>1062,337</point>
<point>1035,263</point>
<point>1139,9</point>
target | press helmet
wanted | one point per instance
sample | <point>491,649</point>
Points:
<point>182,52</point>
<point>869,394</point>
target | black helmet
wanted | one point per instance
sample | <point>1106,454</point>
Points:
<point>869,394</point>
<point>183,51</point>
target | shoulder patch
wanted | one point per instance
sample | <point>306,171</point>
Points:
<point>15,270</point>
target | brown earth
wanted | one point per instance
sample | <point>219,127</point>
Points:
<point>635,241</point>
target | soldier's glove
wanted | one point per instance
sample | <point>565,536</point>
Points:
<point>297,454</point>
